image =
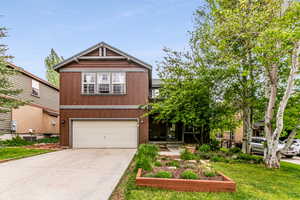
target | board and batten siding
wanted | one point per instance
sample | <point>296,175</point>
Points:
<point>137,93</point>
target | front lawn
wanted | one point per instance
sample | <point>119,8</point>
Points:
<point>254,182</point>
<point>18,152</point>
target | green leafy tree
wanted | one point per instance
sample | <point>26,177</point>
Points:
<point>7,90</point>
<point>50,61</point>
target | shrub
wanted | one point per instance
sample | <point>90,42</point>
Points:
<point>48,140</point>
<point>217,158</point>
<point>173,163</point>
<point>249,158</point>
<point>209,171</point>
<point>163,174</point>
<point>234,150</point>
<point>186,155</point>
<point>157,164</point>
<point>224,150</point>
<point>16,141</point>
<point>204,148</point>
<point>214,145</point>
<point>189,174</point>
<point>143,162</point>
<point>148,150</point>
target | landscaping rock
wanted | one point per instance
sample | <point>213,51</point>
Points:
<point>172,168</point>
<point>192,161</point>
<point>177,159</point>
<point>203,162</point>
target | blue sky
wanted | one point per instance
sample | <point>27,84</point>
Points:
<point>139,27</point>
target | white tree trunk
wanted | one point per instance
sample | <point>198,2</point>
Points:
<point>272,155</point>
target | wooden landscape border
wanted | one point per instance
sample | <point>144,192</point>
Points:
<point>187,185</point>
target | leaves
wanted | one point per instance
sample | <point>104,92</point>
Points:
<point>50,61</point>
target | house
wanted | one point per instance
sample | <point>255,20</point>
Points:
<point>101,92</point>
<point>40,115</point>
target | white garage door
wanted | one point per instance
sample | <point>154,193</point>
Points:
<point>104,134</point>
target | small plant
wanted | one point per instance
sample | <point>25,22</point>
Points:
<point>209,171</point>
<point>242,157</point>
<point>234,150</point>
<point>148,150</point>
<point>143,162</point>
<point>189,174</point>
<point>224,150</point>
<point>48,140</point>
<point>186,155</point>
<point>163,174</point>
<point>157,164</point>
<point>214,145</point>
<point>204,148</point>
<point>17,141</point>
<point>217,158</point>
<point>173,163</point>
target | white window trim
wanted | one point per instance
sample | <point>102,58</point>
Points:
<point>33,87</point>
<point>110,84</point>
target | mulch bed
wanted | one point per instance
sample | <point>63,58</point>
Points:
<point>49,146</point>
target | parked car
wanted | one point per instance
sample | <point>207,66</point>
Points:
<point>295,145</point>
<point>258,143</point>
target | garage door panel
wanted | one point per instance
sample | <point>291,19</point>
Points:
<point>105,134</point>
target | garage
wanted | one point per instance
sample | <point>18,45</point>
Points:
<point>104,134</point>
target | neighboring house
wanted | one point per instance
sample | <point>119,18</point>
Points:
<point>40,115</point>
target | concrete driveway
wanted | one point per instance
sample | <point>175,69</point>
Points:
<point>295,160</point>
<point>79,174</point>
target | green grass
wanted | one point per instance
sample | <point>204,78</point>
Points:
<point>254,182</point>
<point>18,152</point>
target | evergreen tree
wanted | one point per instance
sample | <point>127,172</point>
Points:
<point>7,91</point>
<point>50,61</point>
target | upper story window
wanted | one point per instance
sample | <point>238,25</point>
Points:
<point>35,85</point>
<point>89,83</point>
<point>104,83</point>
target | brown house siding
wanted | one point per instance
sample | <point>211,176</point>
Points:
<point>137,92</point>
<point>136,83</point>
<point>65,115</point>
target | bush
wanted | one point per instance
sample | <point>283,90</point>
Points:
<point>186,155</point>
<point>157,164</point>
<point>214,145</point>
<point>173,163</point>
<point>17,141</point>
<point>48,140</point>
<point>148,150</point>
<point>143,162</point>
<point>163,174</point>
<point>189,174</point>
<point>204,148</point>
<point>224,150</point>
<point>209,173</point>
<point>249,158</point>
<point>234,150</point>
<point>218,158</point>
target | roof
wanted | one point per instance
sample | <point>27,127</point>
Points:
<point>156,83</point>
<point>102,44</point>
<point>23,71</point>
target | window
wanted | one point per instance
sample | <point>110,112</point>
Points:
<point>107,83</point>
<point>118,83</point>
<point>89,83</point>
<point>103,82</point>
<point>35,88</point>
<point>155,93</point>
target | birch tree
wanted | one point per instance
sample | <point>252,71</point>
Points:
<point>279,47</point>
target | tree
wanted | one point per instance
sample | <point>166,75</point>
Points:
<point>51,60</point>
<point>278,50</point>
<point>229,45</point>
<point>7,91</point>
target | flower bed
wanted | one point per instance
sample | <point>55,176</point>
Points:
<point>171,172</point>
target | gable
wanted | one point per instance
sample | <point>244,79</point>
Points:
<point>104,52</point>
